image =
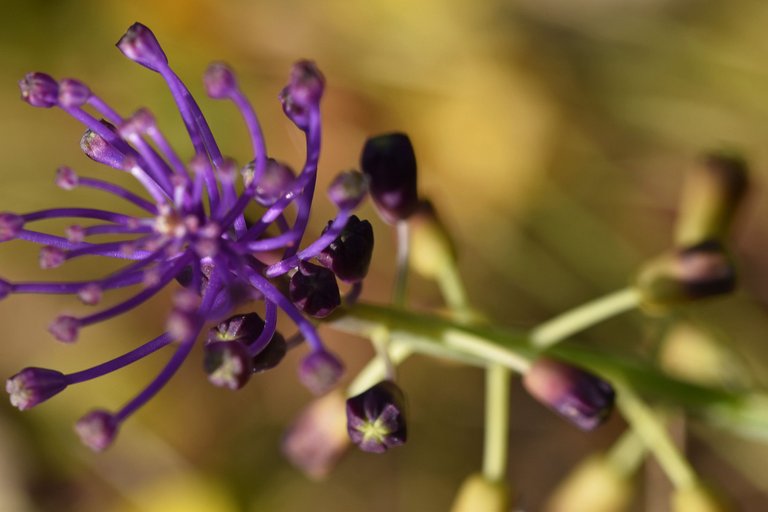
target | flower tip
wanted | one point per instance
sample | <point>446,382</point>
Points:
<point>73,93</point>
<point>320,371</point>
<point>575,394</point>
<point>32,386</point>
<point>348,189</point>
<point>376,418</point>
<point>97,430</point>
<point>39,90</point>
<point>11,225</point>
<point>227,364</point>
<point>97,148</point>
<point>65,328</point>
<point>140,45</point>
<point>219,80</point>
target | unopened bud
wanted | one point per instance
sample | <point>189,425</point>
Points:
<point>73,93</point>
<point>51,257</point>
<point>32,386</point>
<point>228,364</point>
<point>313,289</point>
<point>97,430</point>
<point>141,46</point>
<point>65,328</point>
<point>320,371</point>
<point>349,255</point>
<point>348,189</point>
<point>39,90</point>
<point>390,164</point>
<point>11,225</point>
<point>219,80</point>
<point>376,418</point>
<point>478,493</point>
<point>712,194</point>
<point>97,148</point>
<point>274,182</point>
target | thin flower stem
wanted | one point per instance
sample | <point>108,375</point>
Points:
<point>627,453</point>
<point>646,423</point>
<point>401,262</point>
<point>496,447</point>
<point>562,326</point>
<point>376,369</point>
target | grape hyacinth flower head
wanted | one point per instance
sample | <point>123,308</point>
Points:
<point>575,394</point>
<point>188,229</point>
<point>376,418</point>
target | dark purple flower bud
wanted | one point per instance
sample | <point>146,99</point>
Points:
<point>244,328</point>
<point>97,429</point>
<point>11,225</point>
<point>685,275</point>
<point>390,164</point>
<point>65,328</point>
<point>376,418</point>
<point>350,254</point>
<point>348,189</point>
<point>51,257</point>
<point>320,371</point>
<point>271,355</point>
<point>219,80</point>
<point>274,183</point>
<point>140,45</point>
<point>99,149</point>
<point>228,364</point>
<point>313,289</point>
<point>318,437</point>
<point>577,395</point>
<point>66,178</point>
<point>39,90</point>
<point>73,93</point>
<point>32,386</point>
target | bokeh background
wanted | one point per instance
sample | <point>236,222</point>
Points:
<point>552,136</point>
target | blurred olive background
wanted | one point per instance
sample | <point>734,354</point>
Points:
<point>552,135</point>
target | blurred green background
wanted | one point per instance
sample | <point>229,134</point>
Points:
<point>552,136</point>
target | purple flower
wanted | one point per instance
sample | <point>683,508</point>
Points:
<point>191,229</point>
<point>376,418</point>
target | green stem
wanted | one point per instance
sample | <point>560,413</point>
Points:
<point>401,262</point>
<point>627,453</point>
<point>655,437</point>
<point>495,452</point>
<point>454,293</point>
<point>376,369</point>
<point>566,324</point>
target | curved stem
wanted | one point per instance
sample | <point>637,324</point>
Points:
<point>562,326</point>
<point>496,444</point>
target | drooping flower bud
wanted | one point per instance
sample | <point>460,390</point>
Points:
<point>313,289</point>
<point>318,437</point>
<point>228,364</point>
<point>73,93</point>
<point>478,493</point>
<point>39,90</point>
<point>65,328</point>
<point>51,257</point>
<point>219,80</point>
<point>66,178</point>
<point>141,46</point>
<point>390,163</point>
<point>97,148</point>
<point>303,92</point>
<point>244,328</point>
<point>320,371</point>
<point>11,225</point>
<point>90,294</point>
<point>432,250</point>
<point>348,189</point>
<point>712,194</point>
<point>376,418</point>
<point>685,275</point>
<point>577,395</point>
<point>595,485</point>
<point>274,182</point>
<point>349,256</point>
<point>32,386</point>
<point>271,355</point>
<point>97,429</point>
<point>699,498</point>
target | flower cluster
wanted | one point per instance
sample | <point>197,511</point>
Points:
<point>193,229</point>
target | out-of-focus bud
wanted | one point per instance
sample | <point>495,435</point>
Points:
<point>376,418</point>
<point>32,386</point>
<point>73,93</point>
<point>689,353</point>
<point>39,90</point>
<point>141,46</point>
<point>575,394</point>
<point>97,429</point>
<point>271,355</point>
<point>432,250</point>
<point>313,289</point>
<point>303,92</point>
<point>219,80</point>
<point>227,364</point>
<point>274,183</point>
<point>348,189</point>
<point>699,498</point>
<point>11,225</point>
<point>318,437</point>
<point>51,257</point>
<point>66,178</point>
<point>350,254</point>
<point>594,485</point>
<point>478,493</point>
<point>390,164</point>
<point>65,328</point>
<point>320,371</point>
<point>712,193</point>
<point>685,275</point>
